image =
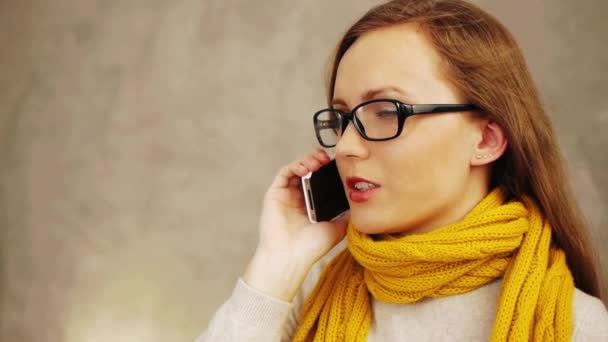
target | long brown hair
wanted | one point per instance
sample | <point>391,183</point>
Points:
<point>483,61</point>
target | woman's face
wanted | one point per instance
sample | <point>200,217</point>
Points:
<point>424,175</point>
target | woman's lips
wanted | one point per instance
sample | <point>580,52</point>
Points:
<point>361,196</point>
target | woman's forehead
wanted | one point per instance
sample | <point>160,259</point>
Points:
<point>400,56</point>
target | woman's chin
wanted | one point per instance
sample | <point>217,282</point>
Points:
<point>378,224</point>
<point>369,226</point>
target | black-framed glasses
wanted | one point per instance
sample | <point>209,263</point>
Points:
<point>375,120</point>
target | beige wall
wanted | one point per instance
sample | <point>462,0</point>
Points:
<point>138,137</point>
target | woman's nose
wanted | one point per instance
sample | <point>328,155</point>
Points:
<point>351,143</point>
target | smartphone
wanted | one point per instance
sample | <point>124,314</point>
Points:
<point>324,193</point>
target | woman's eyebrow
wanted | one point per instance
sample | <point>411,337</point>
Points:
<point>372,93</point>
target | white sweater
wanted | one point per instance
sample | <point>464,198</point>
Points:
<point>249,315</point>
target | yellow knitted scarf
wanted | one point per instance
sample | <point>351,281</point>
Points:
<point>496,239</point>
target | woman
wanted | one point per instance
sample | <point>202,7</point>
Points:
<point>462,223</point>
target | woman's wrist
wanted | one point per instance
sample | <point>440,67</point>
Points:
<point>275,274</point>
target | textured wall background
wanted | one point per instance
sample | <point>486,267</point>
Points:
<point>138,137</point>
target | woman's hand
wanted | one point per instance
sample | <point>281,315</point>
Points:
<point>289,244</point>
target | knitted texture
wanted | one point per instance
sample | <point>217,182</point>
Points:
<point>496,239</point>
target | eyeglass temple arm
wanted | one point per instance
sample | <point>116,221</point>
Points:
<point>441,108</point>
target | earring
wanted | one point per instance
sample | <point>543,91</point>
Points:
<point>479,156</point>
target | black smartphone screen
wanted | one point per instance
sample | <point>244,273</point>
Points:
<point>328,195</point>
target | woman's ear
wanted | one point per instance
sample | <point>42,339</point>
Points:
<point>491,146</point>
